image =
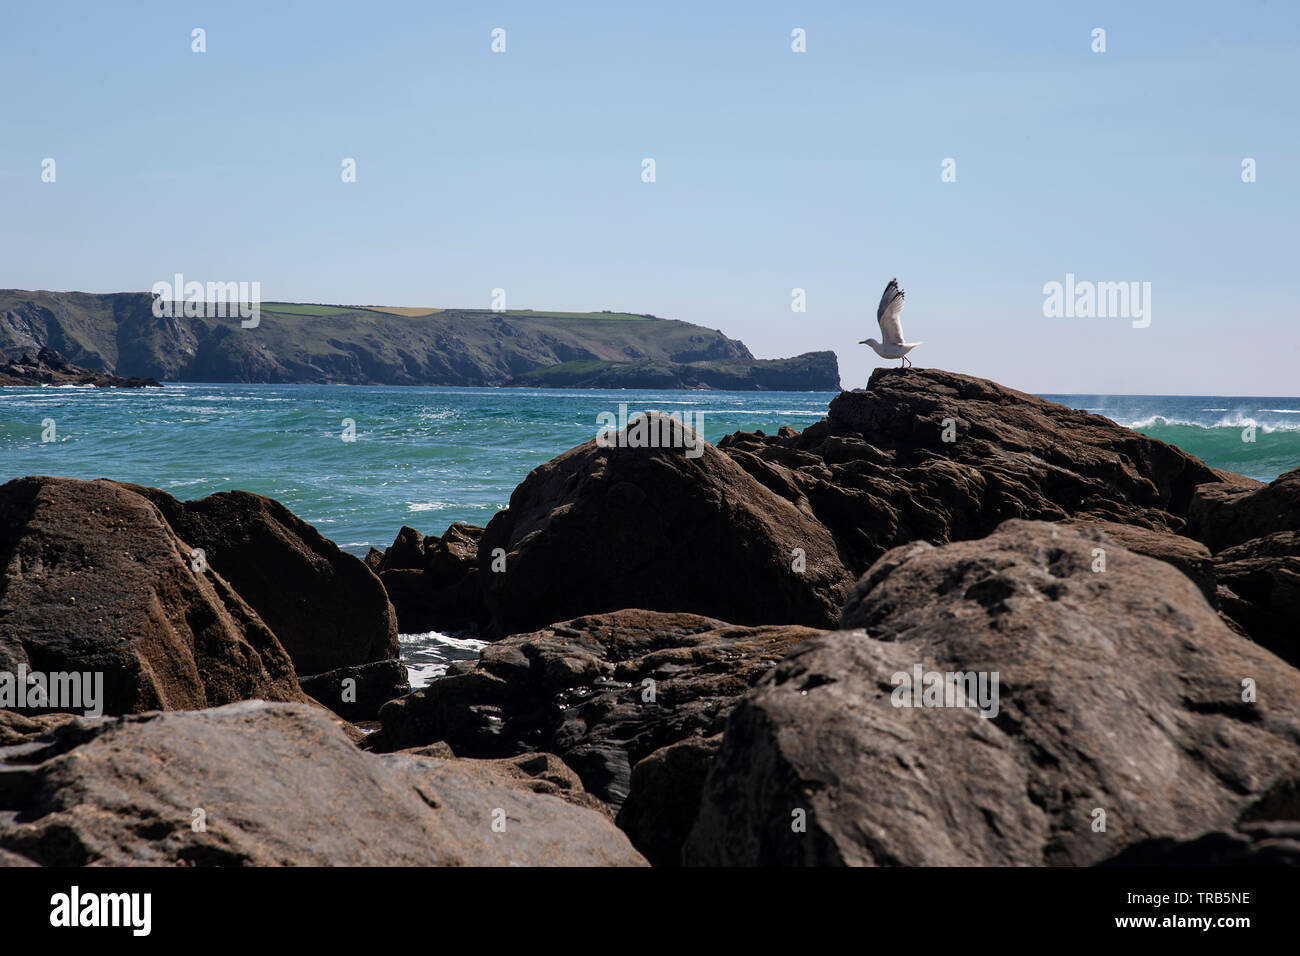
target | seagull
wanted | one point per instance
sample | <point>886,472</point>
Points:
<point>891,307</point>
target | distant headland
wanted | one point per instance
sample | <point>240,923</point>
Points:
<point>121,334</point>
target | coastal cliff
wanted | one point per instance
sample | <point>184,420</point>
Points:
<point>118,333</point>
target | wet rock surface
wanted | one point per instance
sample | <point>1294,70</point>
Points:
<point>603,692</point>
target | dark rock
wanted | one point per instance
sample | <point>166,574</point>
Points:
<point>453,556</point>
<point>93,579</point>
<point>1260,590</point>
<point>878,473</point>
<point>1119,691</point>
<point>278,785</point>
<point>1232,512</point>
<point>1254,530</point>
<point>579,690</point>
<point>373,685</point>
<point>1261,845</point>
<point>1267,834</point>
<point>51,368</point>
<point>603,528</point>
<point>433,583</point>
<point>664,798</point>
<point>405,553</point>
<point>326,607</point>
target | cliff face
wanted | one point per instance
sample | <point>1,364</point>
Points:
<point>812,371</point>
<point>119,333</point>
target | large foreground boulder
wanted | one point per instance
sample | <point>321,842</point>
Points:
<point>924,454</point>
<point>326,607</point>
<point>1124,710</point>
<point>602,692</point>
<point>94,581</point>
<point>604,527</point>
<point>259,784</point>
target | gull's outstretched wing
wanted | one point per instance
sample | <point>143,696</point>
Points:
<point>890,312</point>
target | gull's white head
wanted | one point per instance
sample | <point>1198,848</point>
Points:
<point>872,342</point>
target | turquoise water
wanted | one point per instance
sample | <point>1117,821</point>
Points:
<point>422,456</point>
<point>1215,429</point>
<point>430,456</point>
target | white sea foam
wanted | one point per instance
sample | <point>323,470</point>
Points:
<point>428,655</point>
<point>1235,421</point>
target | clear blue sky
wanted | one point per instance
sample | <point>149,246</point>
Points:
<point>775,170</point>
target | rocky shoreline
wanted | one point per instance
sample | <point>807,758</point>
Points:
<point>48,367</point>
<point>694,660</point>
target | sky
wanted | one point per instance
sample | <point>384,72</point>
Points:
<point>774,170</point>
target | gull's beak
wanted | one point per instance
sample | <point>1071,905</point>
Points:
<point>863,342</point>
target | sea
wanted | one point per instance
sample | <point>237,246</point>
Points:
<point>359,462</point>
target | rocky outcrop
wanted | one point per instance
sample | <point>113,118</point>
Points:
<point>1254,530</point>
<point>1128,725</point>
<point>923,454</point>
<point>1122,698</point>
<point>602,528</point>
<point>325,606</point>
<point>48,367</point>
<point>93,579</point>
<point>1237,510</point>
<point>1259,589</point>
<point>433,583</point>
<point>260,784</point>
<point>603,692</point>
